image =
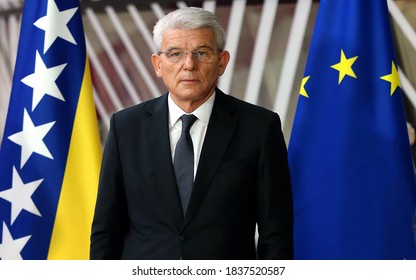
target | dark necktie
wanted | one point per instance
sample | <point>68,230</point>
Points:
<point>183,161</point>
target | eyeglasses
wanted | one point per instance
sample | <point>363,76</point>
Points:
<point>203,55</point>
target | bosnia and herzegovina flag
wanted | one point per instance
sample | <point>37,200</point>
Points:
<point>50,153</point>
<point>351,166</point>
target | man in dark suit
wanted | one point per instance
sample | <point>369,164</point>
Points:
<point>239,170</point>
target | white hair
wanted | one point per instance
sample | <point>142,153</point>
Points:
<point>189,18</point>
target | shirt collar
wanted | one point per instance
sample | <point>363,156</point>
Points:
<point>203,112</point>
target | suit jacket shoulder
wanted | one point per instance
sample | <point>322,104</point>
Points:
<point>246,112</point>
<point>141,110</point>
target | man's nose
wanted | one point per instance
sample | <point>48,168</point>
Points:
<point>189,60</point>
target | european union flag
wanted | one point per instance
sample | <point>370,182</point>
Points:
<point>50,153</point>
<point>353,176</point>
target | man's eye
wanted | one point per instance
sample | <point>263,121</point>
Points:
<point>201,53</point>
<point>175,54</point>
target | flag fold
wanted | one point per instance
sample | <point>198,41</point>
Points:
<point>50,152</point>
<point>349,153</point>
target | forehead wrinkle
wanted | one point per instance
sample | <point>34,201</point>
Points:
<point>173,48</point>
<point>182,38</point>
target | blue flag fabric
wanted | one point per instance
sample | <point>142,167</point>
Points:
<point>50,152</point>
<point>352,171</point>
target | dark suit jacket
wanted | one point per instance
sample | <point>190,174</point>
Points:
<point>242,179</point>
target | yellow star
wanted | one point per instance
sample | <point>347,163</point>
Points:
<point>393,78</point>
<point>302,90</point>
<point>345,67</point>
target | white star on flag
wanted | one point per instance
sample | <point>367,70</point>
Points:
<point>43,81</point>
<point>31,139</point>
<point>10,248</point>
<point>55,25</point>
<point>19,195</point>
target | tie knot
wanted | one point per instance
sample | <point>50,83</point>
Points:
<point>187,122</point>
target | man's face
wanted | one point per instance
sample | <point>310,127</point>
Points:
<point>189,81</point>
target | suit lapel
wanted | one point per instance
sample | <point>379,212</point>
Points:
<point>220,130</point>
<point>161,157</point>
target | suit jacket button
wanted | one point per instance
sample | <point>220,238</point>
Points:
<point>182,238</point>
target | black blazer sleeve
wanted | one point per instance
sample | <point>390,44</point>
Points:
<point>274,197</point>
<point>111,218</point>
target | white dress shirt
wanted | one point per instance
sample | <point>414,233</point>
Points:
<point>198,129</point>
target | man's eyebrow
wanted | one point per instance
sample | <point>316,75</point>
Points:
<point>204,47</point>
<point>173,49</point>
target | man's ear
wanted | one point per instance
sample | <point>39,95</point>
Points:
<point>224,58</point>
<point>157,65</point>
